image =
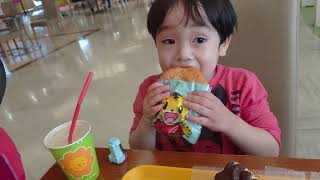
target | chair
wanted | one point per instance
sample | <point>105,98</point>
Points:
<point>82,4</point>
<point>266,43</point>
<point>15,29</point>
<point>6,37</point>
<point>50,14</point>
<point>118,3</point>
<point>33,25</point>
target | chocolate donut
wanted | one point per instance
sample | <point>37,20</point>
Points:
<point>235,171</point>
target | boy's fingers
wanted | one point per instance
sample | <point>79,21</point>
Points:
<point>157,108</point>
<point>197,108</point>
<point>153,110</point>
<point>199,120</point>
<point>154,85</point>
<point>199,100</point>
<point>157,98</point>
<point>205,94</point>
<point>158,90</point>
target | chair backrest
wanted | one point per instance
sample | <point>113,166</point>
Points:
<point>266,43</point>
<point>9,8</point>
<point>50,9</point>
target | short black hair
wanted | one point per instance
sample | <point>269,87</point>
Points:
<point>220,14</point>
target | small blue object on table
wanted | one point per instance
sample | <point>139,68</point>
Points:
<point>116,155</point>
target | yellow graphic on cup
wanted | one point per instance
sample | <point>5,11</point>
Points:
<point>78,163</point>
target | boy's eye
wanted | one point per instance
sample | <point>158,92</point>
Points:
<point>168,41</point>
<point>199,40</point>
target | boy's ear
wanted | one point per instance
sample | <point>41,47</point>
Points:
<point>224,47</point>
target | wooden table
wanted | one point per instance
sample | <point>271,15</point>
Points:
<point>188,160</point>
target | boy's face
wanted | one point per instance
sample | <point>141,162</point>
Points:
<point>182,45</point>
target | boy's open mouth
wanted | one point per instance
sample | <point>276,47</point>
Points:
<point>170,117</point>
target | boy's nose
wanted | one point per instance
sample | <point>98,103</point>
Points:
<point>184,53</point>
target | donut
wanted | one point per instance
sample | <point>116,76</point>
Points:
<point>172,117</point>
<point>189,74</point>
<point>235,171</point>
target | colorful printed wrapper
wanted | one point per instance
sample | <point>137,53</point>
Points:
<point>183,88</point>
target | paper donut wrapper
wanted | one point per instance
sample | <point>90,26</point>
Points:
<point>183,88</point>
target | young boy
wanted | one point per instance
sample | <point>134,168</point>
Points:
<point>236,117</point>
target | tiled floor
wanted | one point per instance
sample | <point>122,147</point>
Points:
<point>42,95</point>
<point>56,35</point>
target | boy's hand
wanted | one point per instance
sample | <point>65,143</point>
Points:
<point>215,115</point>
<point>152,101</point>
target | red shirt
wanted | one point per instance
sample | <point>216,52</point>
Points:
<point>240,91</point>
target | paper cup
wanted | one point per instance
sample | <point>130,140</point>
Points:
<point>77,160</point>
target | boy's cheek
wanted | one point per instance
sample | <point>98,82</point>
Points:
<point>166,51</point>
<point>165,61</point>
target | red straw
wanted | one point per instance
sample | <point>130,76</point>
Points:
<point>77,110</point>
